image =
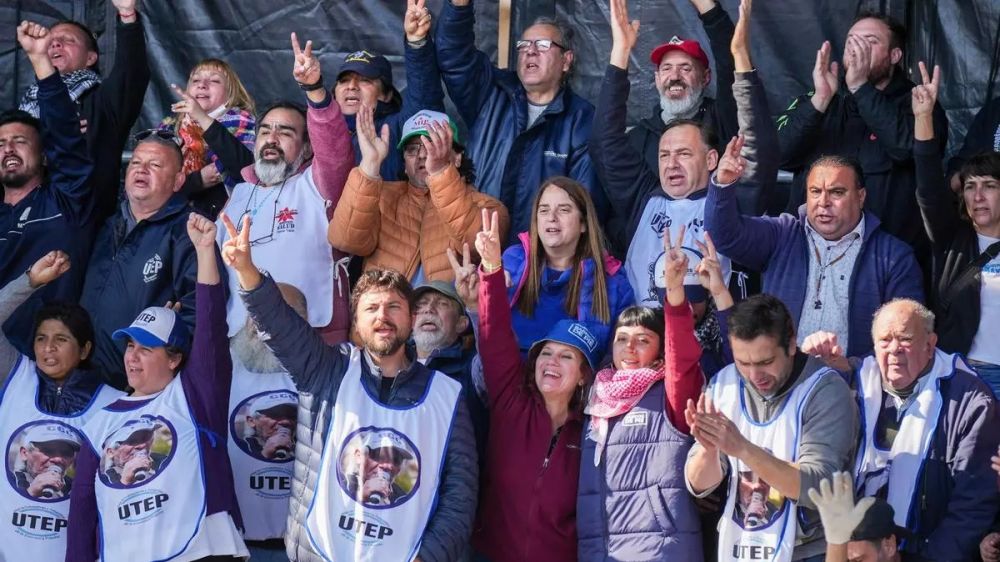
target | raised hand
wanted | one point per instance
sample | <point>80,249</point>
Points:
<point>237,255</point>
<point>693,413</point>
<point>488,242</point>
<point>675,262</point>
<point>126,10</point>
<point>466,280</point>
<point>826,78</point>
<point>925,94</point>
<point>210,175</point>
<point>857,62</point>
<point>34,38</point>
<point>709,271</point>
<point>740,45</point>
<point>201,231</point>
<point>187,107</point>
<point>837,510</point>
<point>374,147</point>
<point>989,548</point>
<point>306,69</point>
<point>624,33</point>
<point>417,20</point>
<point>438,147</point>
<point>825,346</point>
<point>732,165</point>
<point>48,268</point>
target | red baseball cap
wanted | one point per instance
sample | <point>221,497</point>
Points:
<point>687,46</point>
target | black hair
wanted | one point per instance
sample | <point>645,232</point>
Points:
<point>91,39</point>
<point>284,104</point>
<point>74,317</point>
<point>708,136</point>
<point>651,319</point>
<point>23,117</point>
<point>762,315</point>
<point>897,31</point>
<point>838,161</point>
<point>985,164</point>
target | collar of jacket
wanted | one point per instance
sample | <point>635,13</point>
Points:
<point>557,105</point>
<point>176,204</point>
<point>371,373</point>
<point>382,110</point>
<point>611,266</point>
<point>871,222</point>
<point>79,379</point>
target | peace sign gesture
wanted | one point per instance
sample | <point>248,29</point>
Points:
<point>675,260</point>
<point>488,242</point>
<point>306,69</point>
<point>710,269</point>
<point>417,20</point>
<point>466,280</point>
<point>925,94</point>
<point>236,252</point>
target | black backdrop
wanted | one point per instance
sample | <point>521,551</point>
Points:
<point>961,35</point>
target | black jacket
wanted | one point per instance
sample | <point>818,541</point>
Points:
<point>876,127</point>
<point>983,135</point>
<point>957,263</point>
<point>234,156</point>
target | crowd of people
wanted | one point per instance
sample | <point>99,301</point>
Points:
<point>593,338</point>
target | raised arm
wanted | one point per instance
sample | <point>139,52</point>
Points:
<point>800,124</point>
<point>356,223</point>
<point>682,374</point>
<point>936,201</point>
<point>467,72</point>
<point>720,30</point>
<point>423,77</point>
<point>122,91</point>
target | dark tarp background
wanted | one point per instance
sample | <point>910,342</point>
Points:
<point>252,35</point>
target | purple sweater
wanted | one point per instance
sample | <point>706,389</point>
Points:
<point>206,380</point>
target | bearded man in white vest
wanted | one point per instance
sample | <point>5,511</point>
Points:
<point>929,427</point>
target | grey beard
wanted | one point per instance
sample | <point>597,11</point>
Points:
<point>273,173</point>
<point>427,343</point>
<point>681,109</point>
<point>254,353</point>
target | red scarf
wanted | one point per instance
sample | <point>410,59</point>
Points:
<point>195,148</point>
<point>615,393</point>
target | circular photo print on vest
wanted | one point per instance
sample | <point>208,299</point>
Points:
<point>758,505</point>
<point>41,460</point>
<point>379,467</point>
<point>263,425</point>
<point>137,452</point>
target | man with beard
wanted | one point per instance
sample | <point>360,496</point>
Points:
<point>865,115</point>
<point>681,76</point>
<point>264,393</point>
<point>302,158</point>
<point>47,199</point>
<point>345,391</point>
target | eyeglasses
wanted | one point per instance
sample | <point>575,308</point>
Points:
<point>541,45</point>
<point>412,150</point>
<point>252,213</point>
<point>162,134</point>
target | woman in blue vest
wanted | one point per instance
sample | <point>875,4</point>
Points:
<point>561,269</point>
<point>632,503</point>
<point>154,482</point>
<point>44,405</point>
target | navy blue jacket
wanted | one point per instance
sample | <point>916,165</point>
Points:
<point>512,160</point>
<point>152,264</point>
<point>456,362</point>
<point>423,91</point>
<point>57,215</point>
<point>778,248</point>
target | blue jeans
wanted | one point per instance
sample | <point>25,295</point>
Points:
<point>990,374</point>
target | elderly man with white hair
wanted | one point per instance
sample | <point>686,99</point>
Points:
<point>929,428</point>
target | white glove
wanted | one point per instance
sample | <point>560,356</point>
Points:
<point>836,507</point>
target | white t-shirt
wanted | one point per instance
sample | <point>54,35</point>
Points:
<point>984,346</point>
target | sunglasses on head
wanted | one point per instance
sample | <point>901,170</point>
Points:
<point>161,134</point>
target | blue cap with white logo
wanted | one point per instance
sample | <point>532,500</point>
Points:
<point>590,338</point>
<point>156,327</point>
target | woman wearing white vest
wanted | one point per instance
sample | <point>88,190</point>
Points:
<point>154,482</point>
<point>44,405</point>
<point>770,426</point>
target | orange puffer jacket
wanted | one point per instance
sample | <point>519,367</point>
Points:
<point>398,226</point>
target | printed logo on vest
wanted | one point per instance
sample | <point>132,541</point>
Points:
<point>137,452</point>
<point>636,419</point>
<point>285,220</point>
<point>142,506</point>
<point>758,505</point>
<point>271,483</point>
<point>151,269</point>
<point>37,522</point>
<point>263,425</point>
<point>41,460</point>
<point>370,531</point>
<point>378,467</point>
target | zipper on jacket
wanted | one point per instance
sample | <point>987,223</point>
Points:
<point>552,447</point>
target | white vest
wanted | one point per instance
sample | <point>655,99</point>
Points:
<point>154,518</point>
<point>759,523</point>
<point>645,259</point>
<point>288,233</point>
<point>263,479</point>
<point>34,523</point>
<point>900,467</point>
<point>401,450</point>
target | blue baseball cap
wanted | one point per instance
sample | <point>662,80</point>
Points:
<point>156,327</point>
<point>590,338</point>
<point>368,65</point>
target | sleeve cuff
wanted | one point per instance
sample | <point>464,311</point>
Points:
<point>715,183</point>
<point>323,104</point>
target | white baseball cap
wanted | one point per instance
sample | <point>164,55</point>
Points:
<point>156,326</point>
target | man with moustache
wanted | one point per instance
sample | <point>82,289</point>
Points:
<point>302,157</point>
<point>346,391</point>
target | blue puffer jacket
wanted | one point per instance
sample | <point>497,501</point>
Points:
<point>512,159</point>
<point>634,505</point>
<point>620,294</point>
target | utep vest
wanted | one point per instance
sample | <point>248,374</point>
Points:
<point>263,480</point>
<point>154,518</point>
<point>759,523</point>
<point>634,505</point>
<point>645,259</point>
<point>344,525</point>
<point>289,237</point>
<point>34,523</point>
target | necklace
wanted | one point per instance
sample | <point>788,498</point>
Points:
<point>818,303</point>
<point>253,197</point>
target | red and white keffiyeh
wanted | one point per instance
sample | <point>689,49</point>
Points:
<point>615,393</point>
